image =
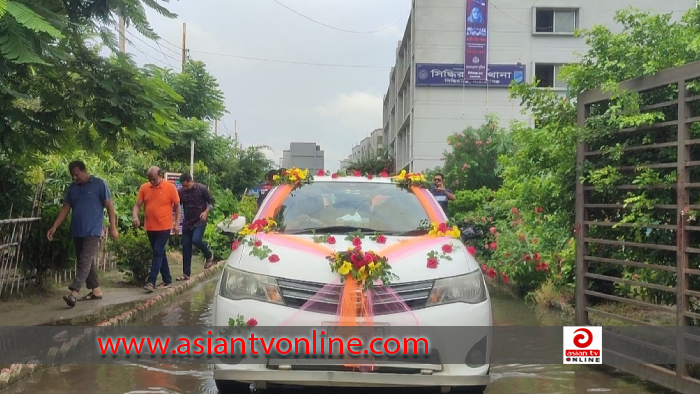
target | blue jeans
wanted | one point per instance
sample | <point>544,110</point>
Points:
<point>193,237</point>
<point>158,240</point>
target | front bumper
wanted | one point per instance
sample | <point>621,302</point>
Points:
<point>438,373</point>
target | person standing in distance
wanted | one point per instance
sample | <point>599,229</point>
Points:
<point>158,199</point>
<point>197,202</point>
<point>266,187</point>
<point>441,194</point>
<point>87,197</point>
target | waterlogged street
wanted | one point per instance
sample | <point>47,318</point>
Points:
<point>195,309</point>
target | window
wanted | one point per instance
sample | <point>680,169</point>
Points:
<point>379,207</point>
<point>548,76</point>
<point>556,20</point>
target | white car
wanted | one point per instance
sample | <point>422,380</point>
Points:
<point>453,294</point>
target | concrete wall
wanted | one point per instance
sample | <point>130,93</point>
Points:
<point>417,120</point>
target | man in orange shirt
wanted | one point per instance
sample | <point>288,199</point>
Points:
<point>158,199</point>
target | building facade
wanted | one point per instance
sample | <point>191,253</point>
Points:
<point>370,145</point>
<point>431,93</point>
<point>304,155</point>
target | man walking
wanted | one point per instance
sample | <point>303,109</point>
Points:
<point>158,199</point>
<point>441,194</point>
<point>87,197</point>
<point>197,202</point>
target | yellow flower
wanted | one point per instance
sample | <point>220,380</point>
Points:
<point>401,176</point>
<point>363,273</point>
<point>373,267</point>
<point>345,268</point>
<point>275,178</point>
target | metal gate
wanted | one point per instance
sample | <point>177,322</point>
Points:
<point>604,277</point>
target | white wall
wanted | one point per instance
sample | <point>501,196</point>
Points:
<point>437,36</point>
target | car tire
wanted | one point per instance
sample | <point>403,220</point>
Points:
<point>468,390</point>
<point>232,387</point>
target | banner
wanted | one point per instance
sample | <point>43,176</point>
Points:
<point>476,40</point>
<point>499,75</point>
<point>174,178</point>
<point>496,345</point>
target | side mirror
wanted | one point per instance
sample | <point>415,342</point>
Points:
<point>469,231</point>
<point>232,226</point>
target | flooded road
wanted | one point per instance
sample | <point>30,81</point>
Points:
<point>195,309</point>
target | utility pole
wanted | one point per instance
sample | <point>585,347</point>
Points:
<point>235,131</point>
<point>122,35</point>
<point>216,126</point>
<point>184,61</point>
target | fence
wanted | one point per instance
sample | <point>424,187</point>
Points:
<point>634,238</point>
<point>14,233</point>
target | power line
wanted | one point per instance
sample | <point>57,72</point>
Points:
<point>290,61</point>
<point>339,29</point>
<point>152,47</point>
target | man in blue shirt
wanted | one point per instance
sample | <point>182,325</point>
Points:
<point>441,194</point>
<point>87,197</point>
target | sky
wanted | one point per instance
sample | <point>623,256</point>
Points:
<point>254,48</point>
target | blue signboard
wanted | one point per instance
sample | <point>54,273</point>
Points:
<point>499,75</point>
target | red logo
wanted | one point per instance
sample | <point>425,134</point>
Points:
<point>580,338</point>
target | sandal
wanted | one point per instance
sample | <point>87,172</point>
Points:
<point>70,300</point>
<point>90,296</point>
<point>208,264</point>
<point>183,277</point>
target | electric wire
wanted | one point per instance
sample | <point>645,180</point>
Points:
<point>337,28</point>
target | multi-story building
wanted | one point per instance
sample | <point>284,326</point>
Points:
<point>370,145</point>
<point>432,95</point>
<point>304,155</point>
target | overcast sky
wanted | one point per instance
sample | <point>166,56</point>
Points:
<point>274,102</point>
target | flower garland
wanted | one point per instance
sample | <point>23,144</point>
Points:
<point>363,266</point>
<point>249,238</point>
<point>407,180</point>
<point>293,176</point>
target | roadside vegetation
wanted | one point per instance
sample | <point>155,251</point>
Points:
<point>60,100</point>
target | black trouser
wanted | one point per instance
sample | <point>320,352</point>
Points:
<point>86,249</point>
<point>193,236</point>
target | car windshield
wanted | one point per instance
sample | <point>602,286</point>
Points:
<point>339,207</point>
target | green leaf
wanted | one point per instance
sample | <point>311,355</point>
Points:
<point>113,120</point>
<point>3,7</point>
<point>31,20</point>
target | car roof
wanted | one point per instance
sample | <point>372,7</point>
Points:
<point>351,179</point>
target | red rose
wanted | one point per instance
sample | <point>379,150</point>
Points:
<point>334,176</point>
<point>447,248</point>
<point>258,243</point>
<point>432,262</point>
<point>235,245</point>
<point>320,173</point>
<point>383,174</point>
<point>357,173</point>
<point>539,210</point>
<point>491,273</point>
<point>251,322</point>
<point>381,239</point>
<point>273,258</point>
<point>484,267</point>
<point>536,256</point>
<point>357,248</point>
<point>442,227</point>
<point>505,278</point>
<point>494,246</point>
<point>368,258</point>
<point>234,216</point>
<point>331,240</point>
<point>471,250</point>
<point>493,230</point>
<point>514,210</point>
<point>356,241</point>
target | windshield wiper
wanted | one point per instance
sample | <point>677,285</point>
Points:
<point>419,231</point>
<point>332,229</point>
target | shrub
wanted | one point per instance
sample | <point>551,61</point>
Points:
<point>248,207</point>
<point>43,255</point>
<point>133,254</point>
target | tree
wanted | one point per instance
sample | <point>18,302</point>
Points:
<point>374,163</point>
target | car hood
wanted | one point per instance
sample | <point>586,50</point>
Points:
<point>300,258</point>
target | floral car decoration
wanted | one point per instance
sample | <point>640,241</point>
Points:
<point>408,180</point>
<point>294,177</point>
<point>238,324</point>
<point>249,238</point>
<point>362,266</point>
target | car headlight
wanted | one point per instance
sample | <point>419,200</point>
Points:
<point>469,288</point>
<point>241,285</point>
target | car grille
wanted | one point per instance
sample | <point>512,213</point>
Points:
<point>325,298</point>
